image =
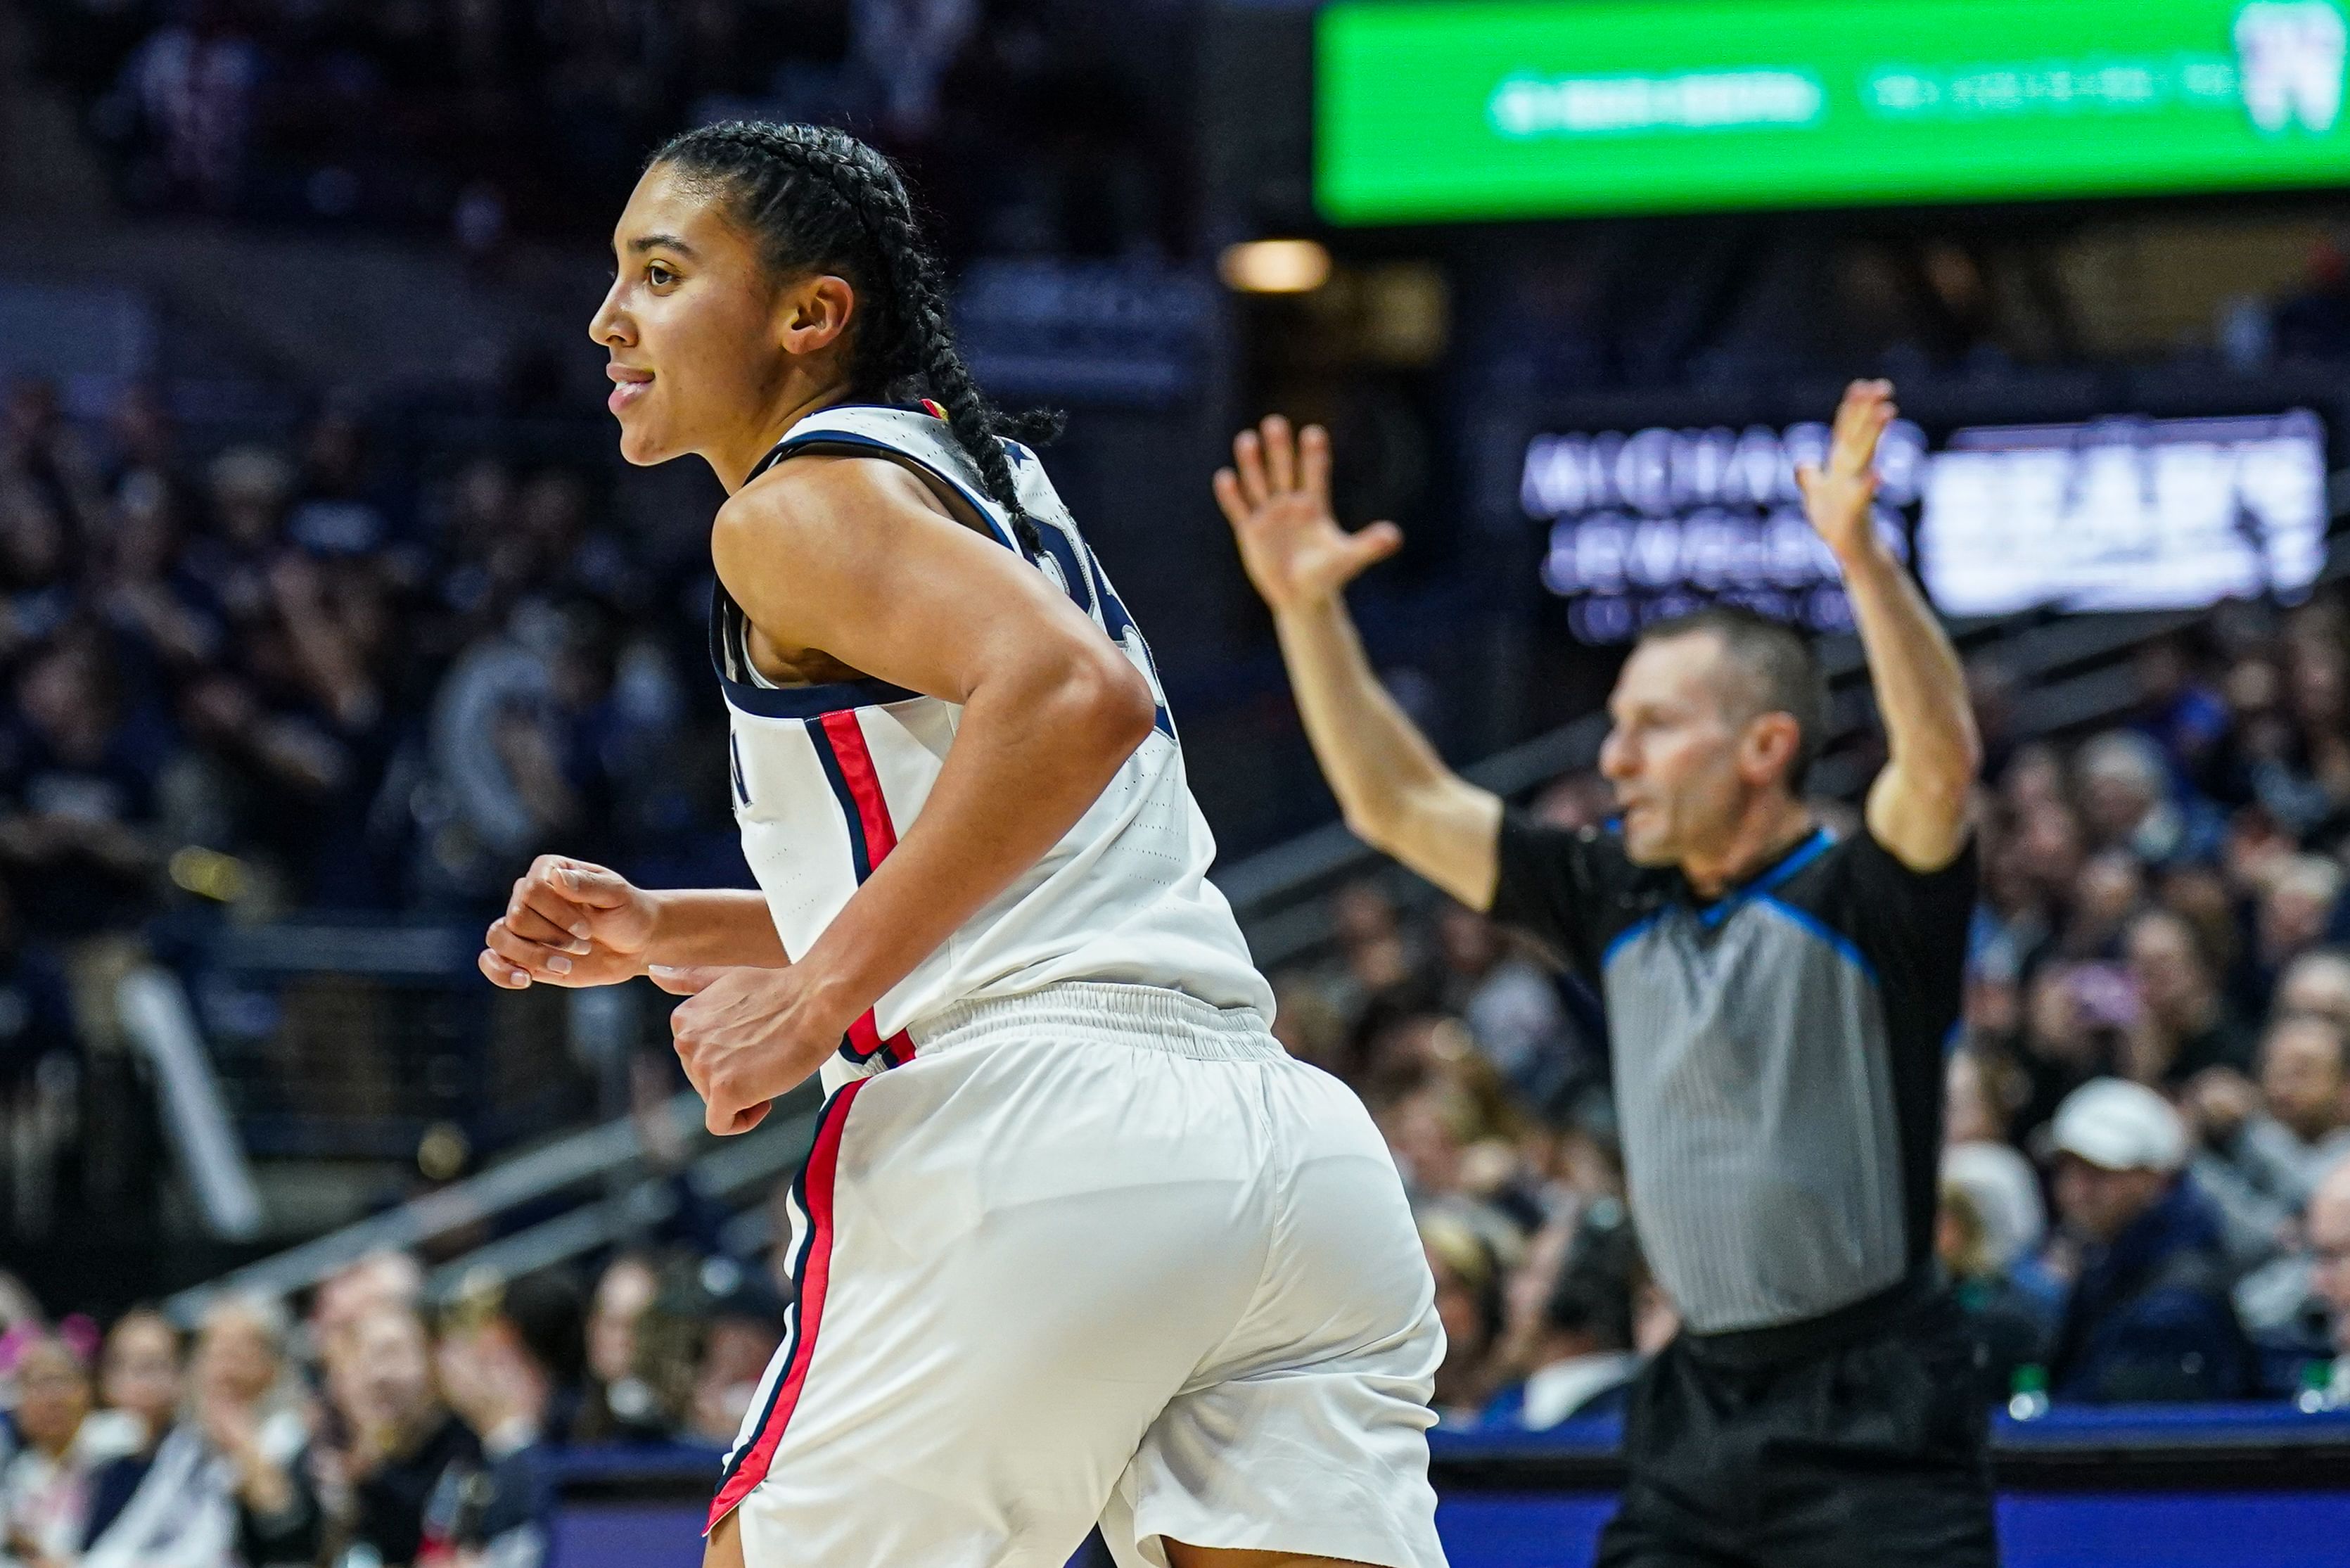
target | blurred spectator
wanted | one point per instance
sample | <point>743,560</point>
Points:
<point>1988,1225</point>
<point>405,1446</point>
<point>746,1323</point>
<point>512,1369</point>
<point>2126,799</point>
<point>2147,1315</point>
<point>189,90</point>
<point>2329,1247</point>
<point>2183,1027</point>
<point>164,1504</point>
<point>249,1407</point>
<point>2108,889</point>
<point>1970,1107</point>
<point>77,793</point>
<point>2175,710</point>
<point>1469,1302</point>
<point>2317,982</point>
<point>2297,898</point>
<point>1581,1360</point>
<point>2066,1038</point>
<point>40,1076</point>
<point>2265,1146</point>
<point>620,1403</point>
<point>1511,1006</point>
<point>45,1489</point>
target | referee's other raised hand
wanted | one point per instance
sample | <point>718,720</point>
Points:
<point>1839,495</point>
<point>1276,495</point>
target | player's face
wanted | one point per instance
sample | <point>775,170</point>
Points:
<point>1671,750</point>
<point>690,322</point>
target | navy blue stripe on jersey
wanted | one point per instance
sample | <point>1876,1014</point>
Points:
<point>818,440</point>
<point>1076,580</point>
<point>829,759</point>
<point>813,701</point>
<point>734,752</point>
<point>731,660</point>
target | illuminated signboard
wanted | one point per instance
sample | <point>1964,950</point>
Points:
<point>1427,112</point>
<point>2119,514</point>
<point>2124,513</point>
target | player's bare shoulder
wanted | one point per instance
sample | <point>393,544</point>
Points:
<point>816,500</point>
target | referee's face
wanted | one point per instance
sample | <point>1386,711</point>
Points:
<point>1675,749</point>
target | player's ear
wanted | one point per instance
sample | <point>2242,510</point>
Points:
<point>813,313</point>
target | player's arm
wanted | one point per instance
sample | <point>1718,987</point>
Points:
<point>571,923</point>
<point>1396,791</point>
<point>1918,806</point>
<point>855,556</point>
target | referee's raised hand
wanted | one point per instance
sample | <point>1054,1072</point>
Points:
<point>1276,495</point>
<point>1838,496</point>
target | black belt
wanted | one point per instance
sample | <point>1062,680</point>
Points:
<point>1784,1342</point>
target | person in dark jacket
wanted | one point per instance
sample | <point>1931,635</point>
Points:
<point>405,1442</point>
<point>2149,1317</point>
<point>1584,1363</point>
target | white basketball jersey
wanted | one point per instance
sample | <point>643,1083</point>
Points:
<point>827,778</point>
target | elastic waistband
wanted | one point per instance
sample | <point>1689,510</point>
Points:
<point>1919,1289</point>
<point>1147,1016</point>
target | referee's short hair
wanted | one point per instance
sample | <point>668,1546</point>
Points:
<point>1783,677</point>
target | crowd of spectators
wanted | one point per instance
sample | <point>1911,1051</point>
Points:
<point>310,674</point>
<point>478,119</point>
<point>373,1431</point>
<point>2146,1189</point>
<point>2146,1183</point>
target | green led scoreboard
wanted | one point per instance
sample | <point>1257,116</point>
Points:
<point>1427,112</point>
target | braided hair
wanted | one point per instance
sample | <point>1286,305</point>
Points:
<point>820,199</point>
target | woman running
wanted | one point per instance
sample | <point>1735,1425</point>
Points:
<point>1077,1240</point>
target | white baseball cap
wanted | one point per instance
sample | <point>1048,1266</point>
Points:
<point>2116,1124</point>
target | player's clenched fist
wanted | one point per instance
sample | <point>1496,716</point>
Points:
<point>569,923</point>
<point>747,1035</point>
<point>1276,495</point>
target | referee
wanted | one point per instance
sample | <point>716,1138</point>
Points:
<point>1778,1000</point>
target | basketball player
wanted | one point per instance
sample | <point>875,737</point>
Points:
<point>1777,1000</point>
<point>1077,1240</point>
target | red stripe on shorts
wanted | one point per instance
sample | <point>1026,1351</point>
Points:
<point>807,1311</point>
<point>865,1038</point>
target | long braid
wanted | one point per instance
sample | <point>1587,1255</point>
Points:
<point>820,198</point>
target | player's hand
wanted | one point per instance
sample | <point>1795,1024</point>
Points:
<point>1840,498</point>
<point>747,1035</point>
<point>1276,495</point>
<point>569,923</point>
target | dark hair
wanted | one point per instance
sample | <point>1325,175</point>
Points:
<point>821,200</point>
<point>1777,659</point>
<point>550,1322</point>
<point>1592,1291</point>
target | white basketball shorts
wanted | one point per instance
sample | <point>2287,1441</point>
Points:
<point>1103,1253</point>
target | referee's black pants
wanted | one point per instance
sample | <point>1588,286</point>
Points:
<point>1853,1439</point>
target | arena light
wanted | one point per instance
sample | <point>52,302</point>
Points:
<point>1275,267</point>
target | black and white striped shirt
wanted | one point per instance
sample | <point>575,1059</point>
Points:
<point>1777,1057</point>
